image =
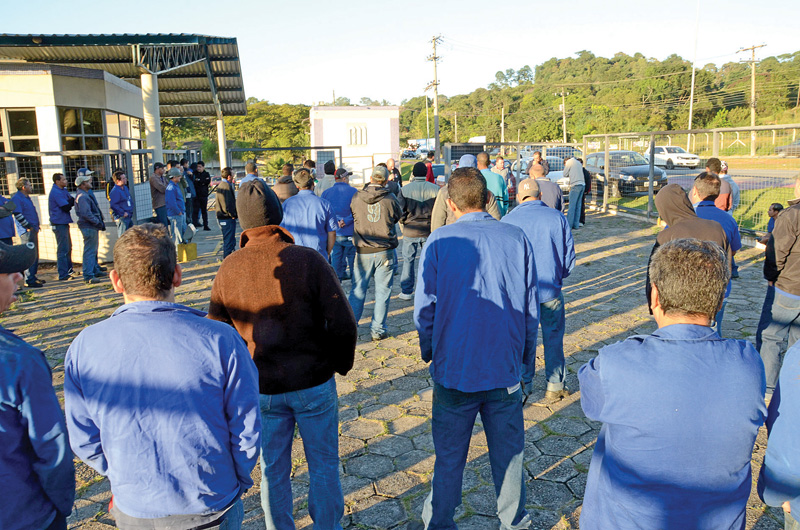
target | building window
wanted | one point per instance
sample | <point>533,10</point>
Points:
<point>19,133</point>
<point>358,134</point>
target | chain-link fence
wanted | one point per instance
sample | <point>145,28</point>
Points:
<point>762,161</point>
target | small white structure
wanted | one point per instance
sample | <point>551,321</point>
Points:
<point>367,135</point>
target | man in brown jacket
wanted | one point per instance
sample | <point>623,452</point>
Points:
<point>287,304</point>
<point>285,187</point>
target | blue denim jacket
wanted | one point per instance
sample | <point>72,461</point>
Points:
<point>553,246</point>
<point>680,410</point>
<point>476,305</point>
<point>36,469</point>
<point>165,404</point>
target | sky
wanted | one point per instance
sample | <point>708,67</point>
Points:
<point>304,51</point>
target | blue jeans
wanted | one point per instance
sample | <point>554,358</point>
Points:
<point>123,223</point>
<point>411,247</point>
<point>552,319</point>
<point>454,415</point>
<point>343,256</point>
<point>31,236</point>
<point>574,212</point>
<point>161,216</point>
<point>315,410</point>
<point>63,251</point>
<point>780,318</point>
<point>381,265</point>
<point>177,226</point>
<point>91,242</point>
<point>228,227</point>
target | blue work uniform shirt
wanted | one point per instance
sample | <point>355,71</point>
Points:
<point>7,228</point>
<point>680,410</point>
<point>59,197</point>
<point>553,248</point>
<point>27,209</point>
<point>35,461</point>
<point>476,306</point>
<point>340,195</point>
<point>164,402</point>
<point>309,219</point>
<point>120,200</point>
<point>708,210</point>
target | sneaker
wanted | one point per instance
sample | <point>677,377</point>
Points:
<point>65,278</point>
<point>379,336</point>
<point>554,396</point>
<point>735,275</point>
<point>404,296</point>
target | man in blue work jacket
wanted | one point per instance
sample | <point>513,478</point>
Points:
<point>35,461</point>
<point>161,400</point>
<point>554,257</point>
<point>477,313</point>
<point>60,202</point>
<point>121,204</point>
<point>30,233</point>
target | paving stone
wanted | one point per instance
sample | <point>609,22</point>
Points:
<point>392,343</point>
<point>381,412</point>
<point>568,426</point>
<point>553,468</point>
<point>577,485</point>
<point>410,426</point>
<point>397,484</point>
<point>419,408</point>
<point>356,488</point>
<point>546,494</point>
<point>362,429</point>
<point>396,396</point>
<point>379,513</point>
<point>483,501</point>
<point>348,414</point>
<point>369,466</point>
<point>390,445</point>
<point>400,362</point>
<point>558,445</point>
<point>424,441</point>
<point>356,398</point>
<point>344,387</point>
<point>414,384</point>
<point>416,461</point>
<point>426,394</point>
<point>351,447</point>
<point>584,458</point>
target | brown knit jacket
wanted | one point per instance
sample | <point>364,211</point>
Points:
<point>286,303</point>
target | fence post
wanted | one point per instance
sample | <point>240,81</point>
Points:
<point>715,145</point>
<point>131,183</point>
<point>652,172</point>
<point>447,162</point>
<point>607,179</point>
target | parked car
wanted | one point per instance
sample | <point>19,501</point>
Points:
<point>408,153</point>
<point>422,154</point>
<point>237,178</point>
<point>556,173</point>
<point>670,156</point>
<point>793,149</point>
<point>629,173</point>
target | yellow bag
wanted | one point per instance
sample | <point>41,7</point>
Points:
<point>187,252</point>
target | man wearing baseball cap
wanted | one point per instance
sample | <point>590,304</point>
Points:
<point>310,219</point>
<point>35,460</point>
<point>90,223</point>
<point>340,195</point>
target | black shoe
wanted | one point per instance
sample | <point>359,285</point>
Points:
<point>207,229</point>
<point>92,281</point>
<point>65,278</point>
<point>100,274</point>
<point>102,269</point>
<point>36,284</point>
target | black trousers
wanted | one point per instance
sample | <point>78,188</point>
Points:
<point>200,206</point>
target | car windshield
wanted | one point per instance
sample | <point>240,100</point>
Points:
<point>628,158</point>
<point>674,150</point>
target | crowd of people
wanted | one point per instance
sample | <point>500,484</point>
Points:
<point>176,406</point>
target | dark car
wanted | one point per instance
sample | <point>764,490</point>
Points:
<point>408,153</point>
<point>793,149</point>
<point>629,173</point>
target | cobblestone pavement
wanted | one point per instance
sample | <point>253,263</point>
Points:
<point>385,401</point>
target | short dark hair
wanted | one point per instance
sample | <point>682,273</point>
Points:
<point>707,186</point>
<point>201,163</point>
<point>57,177</point>
<point>144,258</point>
<point>776,206</point>
<point>250,166</point>
<point>226,172</point>
<point>118,174</point>
<point>714,165</point>
<point>310,164</point>
<point>431,154</point>
<point>287,169</point>
<point>172,163</point>
<point>482,158</point>
<point>691,277</point>
<point>537,153</point>
<point>184,161</point>
<point>467,189</point>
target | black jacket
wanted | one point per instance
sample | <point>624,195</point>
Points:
<point>782,262</point>
<point>375,213</point>
<point>226,201</point>
<point>202,180</point>
<point>417,200</point>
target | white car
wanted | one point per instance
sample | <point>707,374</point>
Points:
<point>671,156</point>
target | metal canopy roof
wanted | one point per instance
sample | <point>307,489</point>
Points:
<point>198,75</point>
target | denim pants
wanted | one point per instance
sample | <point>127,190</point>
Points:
<point>161,215</point>
<point>31,236</point>
<point>411,247</point>
<point>343,256</point>
<point>228,227</point>
<point>454,415</point>
<point>780,319</point>
<point>380,265</point>
<point>315,410</point>
<point>63,250</point>
<point>552,319</point>
<point>91,242</point>
<point>123,224</point>
<point>574,212</point>
<point>177,227</point>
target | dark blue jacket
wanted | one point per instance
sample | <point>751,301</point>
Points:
<point>553,247</point>
<point>88,211</point>
<point>176,205</point>
<point>27,209</point>
<point>57,201</point>
<point>120,199</point>
<point>476,306</point>
<point>36,469</point>
<point>680,410</point>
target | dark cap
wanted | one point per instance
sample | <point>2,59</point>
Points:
<point>158,165</point>
<point>380,174</point>
<point>16,258</point>
<point>342,173</point>
<point>419,169</point>
<point>257,205</point>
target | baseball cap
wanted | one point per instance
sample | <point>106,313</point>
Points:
<point>81,179</point>
<point>342,172</point>
<point>724,165</point>
<point>528,188</point>
<point>84,172</point>
<point>380,174</point>
<point>175,172</point>
<point>16,258</point>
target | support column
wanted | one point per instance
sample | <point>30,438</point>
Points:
<point>223,144</point>
<point>152,115</point>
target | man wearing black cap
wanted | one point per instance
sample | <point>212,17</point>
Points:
<point>35,460</point>
<point>158,190</point>
<point>375,214</point>
<point>416,201</point>
<point>287,304</point>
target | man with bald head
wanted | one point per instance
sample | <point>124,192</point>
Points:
<point>550,192</point>
<point>394,173</point>
<point>554,259</point>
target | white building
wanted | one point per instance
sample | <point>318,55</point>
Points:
<point>366,135</point>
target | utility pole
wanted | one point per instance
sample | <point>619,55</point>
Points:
<point>752,62</point>
<point>694,63</point>
<point>563,111</point>
<point>502,128</point>
<point>427,121</point>
<point>334,99</point>
<point>435,85</point>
